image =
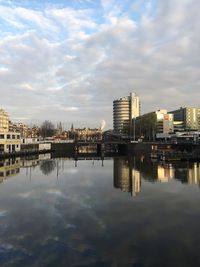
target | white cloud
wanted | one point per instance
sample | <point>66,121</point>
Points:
<point>62,60</point>
<point>27,86</point>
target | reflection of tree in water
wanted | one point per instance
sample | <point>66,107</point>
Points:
<point>47,166</point>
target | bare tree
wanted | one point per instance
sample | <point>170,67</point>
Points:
<point>47,129</point>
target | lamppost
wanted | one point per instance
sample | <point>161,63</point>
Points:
<point>134,128</point>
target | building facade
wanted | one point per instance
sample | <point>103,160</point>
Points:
<point>86,134</point>
<point>186,118</point>
<point>124,110</point>
<point>10,142</point>
<point>24,130</point>
<point>156,122</point>
<point>4,121</point>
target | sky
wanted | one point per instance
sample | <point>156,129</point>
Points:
<point>68,60</point>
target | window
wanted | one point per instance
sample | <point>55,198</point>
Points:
<point>8,136</point>
<point>13,136</point>
<point>18,136</point>
<point>1,136</point>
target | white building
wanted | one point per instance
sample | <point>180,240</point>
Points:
<point>164,121</point>
<point>10,142</point>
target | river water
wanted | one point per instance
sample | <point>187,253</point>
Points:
<point>116,212</point>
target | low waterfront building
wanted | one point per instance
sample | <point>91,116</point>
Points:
<point>152,123</point>
<point>10,142</point>
<point>30,140</point>
<point>186,118</point>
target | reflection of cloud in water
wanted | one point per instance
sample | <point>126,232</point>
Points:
<point>72,171</point>
<point>26,194</point>
<point>5,247</point>
<point>56,193</point>
<point>77,201</point>
<point>3,213</point>
<point>70,226</point>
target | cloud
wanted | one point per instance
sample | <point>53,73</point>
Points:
<point>62,59</point>
<point>69,108</point>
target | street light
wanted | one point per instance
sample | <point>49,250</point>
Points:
<point>134,129</point>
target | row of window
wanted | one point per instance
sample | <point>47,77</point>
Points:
<point>8,146</point>
<point>9,136</point>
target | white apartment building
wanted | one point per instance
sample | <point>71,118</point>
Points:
<point>4,121</point>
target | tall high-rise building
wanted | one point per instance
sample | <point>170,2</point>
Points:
<point>124,110</point>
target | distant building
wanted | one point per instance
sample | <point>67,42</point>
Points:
<point>24,130</point>
<point>19,128</point>
<point>124,110</point>
<point>186,118</point>
<point>85,134</point>
<point>4,121</point>
<point>150,124</point>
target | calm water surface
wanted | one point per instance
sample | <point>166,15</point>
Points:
<point>121,212</point>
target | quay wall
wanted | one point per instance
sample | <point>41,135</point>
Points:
<point>139,148</point>
<point>63,149</point>
<point>70,149</point>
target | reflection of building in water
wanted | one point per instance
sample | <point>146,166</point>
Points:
<point>165,173</point>
<point>194,174</point>
<point>126,177</point>
<point>34,160</point>
<point>136,182</point>
<point>87,149</point>
<point>30,162</point>
<point>45,156</point>
<point>9,167</point>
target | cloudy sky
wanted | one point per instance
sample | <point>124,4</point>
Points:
<point>68,60</point>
